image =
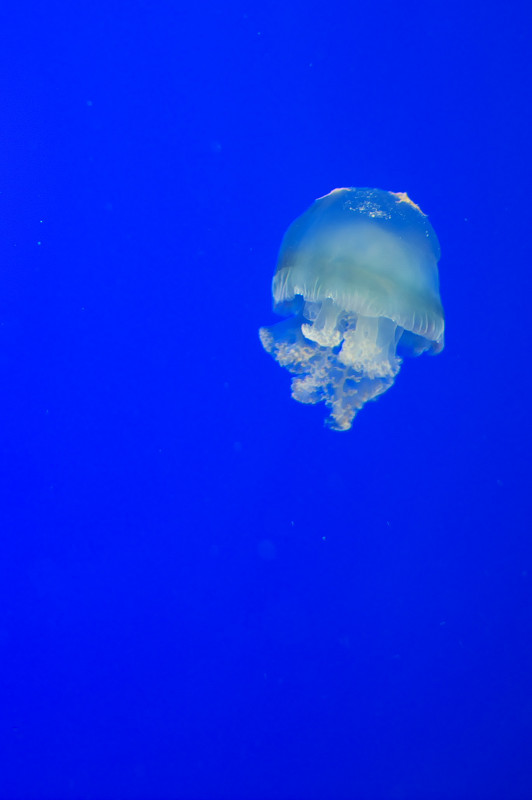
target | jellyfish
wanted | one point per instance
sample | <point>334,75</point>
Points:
<point>357,280</point>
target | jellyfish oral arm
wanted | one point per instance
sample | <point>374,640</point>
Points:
<point>341,360</point>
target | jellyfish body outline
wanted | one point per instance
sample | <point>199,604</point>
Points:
<point>356,277</point>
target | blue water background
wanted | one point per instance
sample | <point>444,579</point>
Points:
<point>204,593</point>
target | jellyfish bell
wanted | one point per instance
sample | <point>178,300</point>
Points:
<point>357,277</point>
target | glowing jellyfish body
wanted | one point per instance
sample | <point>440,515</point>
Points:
<point>357,275</point>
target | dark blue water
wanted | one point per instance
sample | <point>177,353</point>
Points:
<point>204,593</point>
